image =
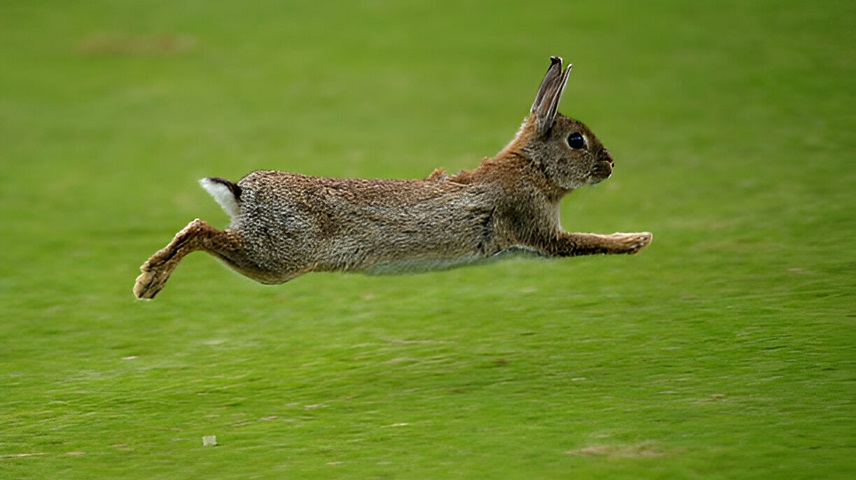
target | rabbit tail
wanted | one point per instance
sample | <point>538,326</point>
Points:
<point>226,193</point>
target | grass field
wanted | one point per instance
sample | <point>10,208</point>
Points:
<point>724,350</point>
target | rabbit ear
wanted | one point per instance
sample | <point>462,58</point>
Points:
<point>549,94</point>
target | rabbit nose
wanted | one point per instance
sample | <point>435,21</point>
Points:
<point>606,156</point>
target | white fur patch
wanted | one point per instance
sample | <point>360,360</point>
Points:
<point>222,195</point>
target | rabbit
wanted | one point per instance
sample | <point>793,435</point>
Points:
<point>284,225</point>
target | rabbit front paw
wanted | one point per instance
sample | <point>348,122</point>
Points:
<point>631,243</point>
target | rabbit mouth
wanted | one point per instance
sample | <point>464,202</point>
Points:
<point>603,169</point>
<point>601,172</point>
<point>606,157</point>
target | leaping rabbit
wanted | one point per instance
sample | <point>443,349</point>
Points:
<point>286,224</point>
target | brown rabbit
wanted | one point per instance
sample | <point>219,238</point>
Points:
<point>286,224</point>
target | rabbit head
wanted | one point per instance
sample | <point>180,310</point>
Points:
<point>566,150</point>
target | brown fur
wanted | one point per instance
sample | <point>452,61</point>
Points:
<point>290,224</point>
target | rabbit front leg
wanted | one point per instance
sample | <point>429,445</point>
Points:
<point>197,235</point>
<point>575,244</point>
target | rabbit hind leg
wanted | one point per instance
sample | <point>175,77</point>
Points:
<point>197,235</point>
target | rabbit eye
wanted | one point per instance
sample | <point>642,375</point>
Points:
<point>576,141</point>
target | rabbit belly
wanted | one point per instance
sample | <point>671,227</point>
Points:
<point>433,264</point>
<point>400,267</point>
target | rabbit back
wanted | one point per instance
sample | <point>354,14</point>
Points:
<point>291,221</point>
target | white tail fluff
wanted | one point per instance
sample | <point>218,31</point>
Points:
<point>222,194</point>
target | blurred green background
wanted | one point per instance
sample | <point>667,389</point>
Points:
<point>725,350</point>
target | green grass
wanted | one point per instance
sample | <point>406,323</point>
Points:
<point>725,350</point>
